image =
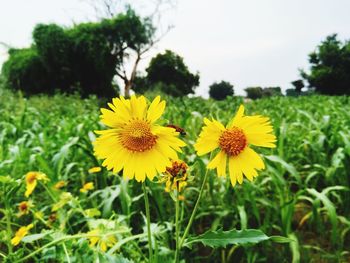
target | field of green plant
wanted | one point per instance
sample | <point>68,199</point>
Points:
<point>303,193</point>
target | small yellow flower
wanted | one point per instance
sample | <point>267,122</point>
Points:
<point>234,142</point>
<point>60,184</point>
<point>31,181</point>
<point>175,176</point>
<point>20,234</point>
<point>87,187</point>
<point>94,170</point>
<point>102,239</point>
<point>24,207</point>
<point>135,143</point>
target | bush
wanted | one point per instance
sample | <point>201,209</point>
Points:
<point>25,71</point>
<point>254,92</point>
<point>271,91</point>
<point>219,91</point>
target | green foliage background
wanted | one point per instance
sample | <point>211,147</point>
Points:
<point>303,194</point>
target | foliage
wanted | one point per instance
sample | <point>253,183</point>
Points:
<point>259,92</point>
<point>232,237</point>
<point>84,58</point>
<point>272,91</point>
<point>330,67</point>
<point>298,85</point>
<point>254,92</point>
<point>221,90</point>
<point>24,68</point>
<point>170,71</point>
<point>303,193</point>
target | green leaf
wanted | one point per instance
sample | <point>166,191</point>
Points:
<point>237,237</point>
<point>34,237</point>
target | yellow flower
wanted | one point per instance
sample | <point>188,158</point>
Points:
<point>20,234</point>
<point>175,176</point>
<point>24,207</point>
<point>59,184</point>
<point>87,187</point>
<point>135,143</point>
<point>94,170</point>
<point>102,239</point>
<point>31,181</point>
<point>233,142</point>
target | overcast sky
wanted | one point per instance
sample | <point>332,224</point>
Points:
<point>245,42</point>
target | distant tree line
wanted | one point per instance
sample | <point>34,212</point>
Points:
<point>84,58</point>
<point>88,57</point>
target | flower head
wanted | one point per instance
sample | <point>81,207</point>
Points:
<point>24,207</point>
<point>20,234</point>
<point>175,176</point>
<point>60,184</point>
<point>234,142</point>
<point>94,170</point>
<point>102,239</point>
<point>87,187</point>
<point>31,181</point>
<point>135,143</point>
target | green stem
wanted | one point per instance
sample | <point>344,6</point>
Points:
<point>177,227</point>
<point>9,228</point>
<point>66,252</point>
<point>195,206</point>
<point>49,192</point>
<point>148,222</point>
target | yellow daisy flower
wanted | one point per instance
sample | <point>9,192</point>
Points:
<point>103,240</point>
<point>20,234</point>
<point>94,170</point>
<point>175,176</point>
<point>24,207</point>
<point>87,187</point>
<point>31,181</point>
<point>234,141</point>
<point>60,184</point>
<point>135,143</point>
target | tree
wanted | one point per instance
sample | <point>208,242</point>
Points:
<point>330,67</point>
<point>254,92</point>
<point>298,85</point>
<point>146,34</point>
<point>24,68</point>
<point>83,58</point>
<point>271,91</point>
<point>170,71</point>
<point>220,90</point>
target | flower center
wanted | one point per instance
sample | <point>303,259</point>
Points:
<point>137,136</point>
<point>31,178</point>
<point>23,206</point>
<point>177,168</point>
<point>233,141</point>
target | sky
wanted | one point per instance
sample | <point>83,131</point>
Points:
<point>246,42</point>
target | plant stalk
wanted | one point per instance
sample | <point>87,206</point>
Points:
<point>177,227</point>
<point>148,222</point>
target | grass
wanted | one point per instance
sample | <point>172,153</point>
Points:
<point>303,193</point>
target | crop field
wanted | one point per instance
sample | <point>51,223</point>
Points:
<point>78,214</point>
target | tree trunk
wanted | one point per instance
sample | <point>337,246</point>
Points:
<point>127,89</point>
